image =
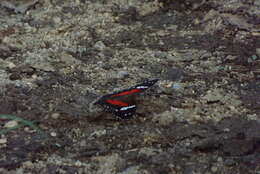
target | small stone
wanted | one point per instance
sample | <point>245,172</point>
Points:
<point>55,115</point>
<point>28,164</point>
<point>5,51</point>
<point>122,74</point>
<point>57,20</point>
<point>249,60</point>
<point>231,58</point>
<point>34,76</point>
<point>53,134</point>
<point>11,124</point>
<point>5,64</point>
<point>232,108</point>
<point>226,130</point>
<point>197,118</point>
<point>254,57</point>
<point>83,143</point>
<point>27,129</point>
<point>229,162</point>
<point>220,159</point>
<point>78,163</point>
<point>100,46</point>
<point>258,52</point>
<point>15,76</point>
<point>3,141</point>
<point>214,169</point>
<point>187,144</point>
<point>19,171</point>
<point>61,171</point>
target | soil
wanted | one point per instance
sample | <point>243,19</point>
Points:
<point>58,57</point>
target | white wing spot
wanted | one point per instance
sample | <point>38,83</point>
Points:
<point>128,107</point>
<point>142,87</point>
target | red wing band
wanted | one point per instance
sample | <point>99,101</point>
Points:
<point>126,93</point>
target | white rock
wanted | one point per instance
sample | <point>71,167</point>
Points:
<point>99,45</point>
<point>3,141</point>
<point>122,74</point>
<point>55,115</point>
<point>53,134</point>
<point>11,124</point>
<point>214,169</point>
<point>28,164</point>
<point>258,52</point>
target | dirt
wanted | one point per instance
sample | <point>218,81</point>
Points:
<point>202,116</point>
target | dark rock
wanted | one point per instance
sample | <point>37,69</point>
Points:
<point>15,76</point>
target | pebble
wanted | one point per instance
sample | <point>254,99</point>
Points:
<point>122,74</point>
<point>19,171</point>
<point>232,108</point>
<point>55,115</point>
<point>229,162</point>
<point>99,45</point>
<point>53,134</point>
<point>34,76</point>
<point>254,57</point>
<point>187,144</point>
<point>3,141</point>
<point>11,124</point>
<point>214,169</point>
<point>197,118</point>
<point>5,63</point>
<point>258,52</point>
<point>28,164</point>
<point>57,20</point>
<point>220,159</point>
<point>226,130</point>
<point>83,143</point>
<point>27,129</point>
<point>231,58</point>
<point>15,76</point>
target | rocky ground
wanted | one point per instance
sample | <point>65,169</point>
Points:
<point>57,57</point>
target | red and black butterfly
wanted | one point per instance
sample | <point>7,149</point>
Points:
<point>118,102</point>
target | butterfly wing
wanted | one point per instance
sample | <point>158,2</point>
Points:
<point>145,85</point>
<point>118,107</point>
<point>124,109</point>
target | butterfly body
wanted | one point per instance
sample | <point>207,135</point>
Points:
<point>121,103</point>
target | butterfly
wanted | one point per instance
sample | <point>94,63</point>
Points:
<point>119,104</point>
